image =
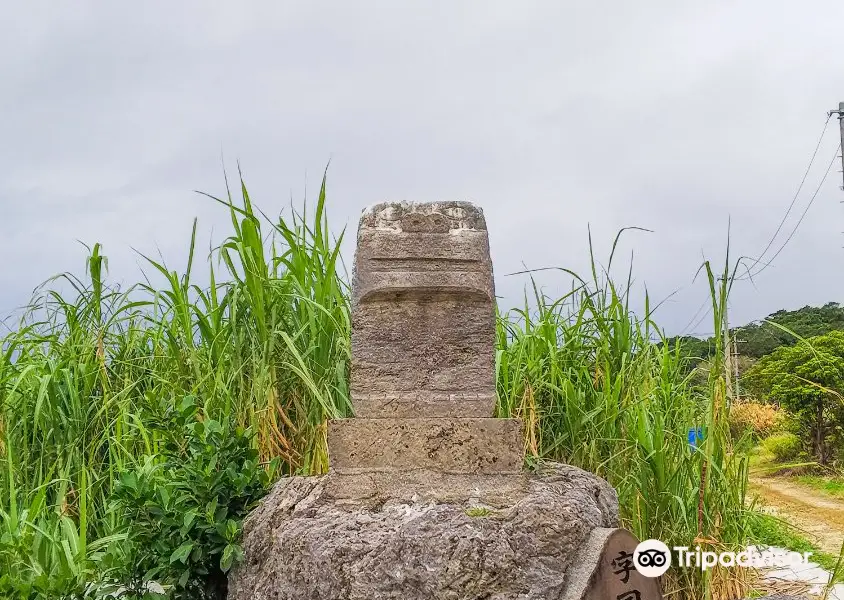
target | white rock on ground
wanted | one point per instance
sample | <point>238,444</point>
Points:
<point>811,574</point>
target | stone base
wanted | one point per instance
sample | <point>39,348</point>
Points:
<point>449,445</point>
<point>429,536</point>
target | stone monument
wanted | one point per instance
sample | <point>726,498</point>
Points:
<point>427,496</point>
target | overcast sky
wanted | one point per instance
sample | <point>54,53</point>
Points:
<point>553,116</point>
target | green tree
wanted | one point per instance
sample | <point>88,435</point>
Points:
<point>806,380</point>
<point>763,337</point>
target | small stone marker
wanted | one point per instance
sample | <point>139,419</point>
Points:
<point>423,347</point>
<point>606,570</point>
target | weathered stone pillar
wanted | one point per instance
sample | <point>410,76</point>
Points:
<point>423,347</point>
<point>423,321</point>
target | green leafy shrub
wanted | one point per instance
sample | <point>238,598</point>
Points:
<point>185,505</point>
<point>784,446</point>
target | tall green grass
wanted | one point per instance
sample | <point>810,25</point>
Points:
<point>266,345</point>
<point>597,388</point>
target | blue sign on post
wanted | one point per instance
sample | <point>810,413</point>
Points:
<point>695,437</point>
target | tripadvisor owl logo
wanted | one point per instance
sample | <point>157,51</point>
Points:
<point>652,558</point>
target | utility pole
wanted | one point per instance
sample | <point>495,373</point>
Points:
<point>840,113</point>
<point>731,363</point>
<point>841,127</point>
<point>728,353</point>
<point>736,342</point>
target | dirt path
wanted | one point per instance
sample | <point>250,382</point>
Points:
<point>820,517</point>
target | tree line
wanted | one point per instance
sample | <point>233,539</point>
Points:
<point>795,360</point>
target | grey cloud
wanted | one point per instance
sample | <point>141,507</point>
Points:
<point>671,116</point>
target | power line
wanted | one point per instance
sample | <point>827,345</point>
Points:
<point>781,224</point>
<point>697,312</point>
<point>802,216</point>
<point>705,315</point>
<point>796,194</point>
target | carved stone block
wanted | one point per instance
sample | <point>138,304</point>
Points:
<point>450,445</point>
<point>423,315</point>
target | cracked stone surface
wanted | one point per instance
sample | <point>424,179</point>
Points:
<point>305,542</point>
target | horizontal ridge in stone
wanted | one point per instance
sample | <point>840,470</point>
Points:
<point>423,404</point>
